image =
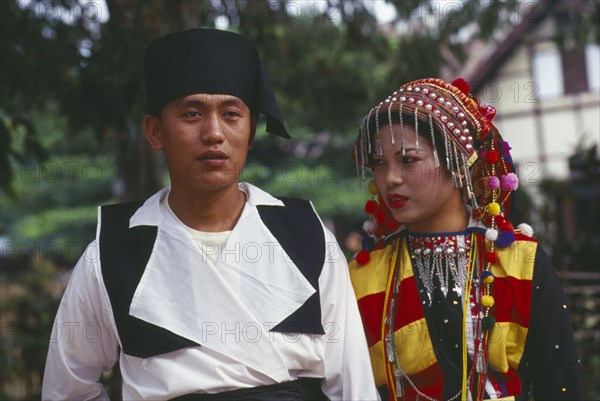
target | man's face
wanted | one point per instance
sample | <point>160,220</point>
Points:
<point>205,139</point>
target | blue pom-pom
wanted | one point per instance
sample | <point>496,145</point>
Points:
<point>368,243</point>
<point>505,238</point>
<point>487,277</point>
<point>488,322</point>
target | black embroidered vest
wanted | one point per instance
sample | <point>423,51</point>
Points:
<point>124,253</point>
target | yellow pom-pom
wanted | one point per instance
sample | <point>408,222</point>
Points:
<point>372,188</point>
<point>494,209</point>
<point>487,301</point>
<point>488,280</point>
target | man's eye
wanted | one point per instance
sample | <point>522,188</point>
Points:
<point>232,114</point>
<point>191,114</point>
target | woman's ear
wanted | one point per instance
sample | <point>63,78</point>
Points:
<point>152,131</point>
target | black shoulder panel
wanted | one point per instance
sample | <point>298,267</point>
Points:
<point>300,233</point>
<point>124,253</point>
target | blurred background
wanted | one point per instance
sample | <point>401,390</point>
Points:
<point>72,102</point>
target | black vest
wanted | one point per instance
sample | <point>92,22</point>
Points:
<point>124,253</point>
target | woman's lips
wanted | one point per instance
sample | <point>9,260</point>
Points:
<point>396,201</point>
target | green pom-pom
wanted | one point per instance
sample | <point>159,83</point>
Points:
<point>487,323</point>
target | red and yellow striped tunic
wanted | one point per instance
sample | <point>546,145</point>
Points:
<point>512,290</point>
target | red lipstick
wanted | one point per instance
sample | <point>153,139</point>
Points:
<point>396,201</point>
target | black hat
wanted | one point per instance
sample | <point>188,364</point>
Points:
<point>212,62</point>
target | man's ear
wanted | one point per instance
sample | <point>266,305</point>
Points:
<point>152,131</point>
<point>253,123</point>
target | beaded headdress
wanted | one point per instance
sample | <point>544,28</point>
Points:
<point>475,153</point>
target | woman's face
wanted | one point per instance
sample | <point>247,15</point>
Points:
<point>417,193</point>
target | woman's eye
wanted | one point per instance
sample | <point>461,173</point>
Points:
<point>408,159</point>
<point>377,163</point>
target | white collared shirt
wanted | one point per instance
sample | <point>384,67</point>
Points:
<point>228,307</point>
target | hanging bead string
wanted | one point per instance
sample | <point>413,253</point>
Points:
<point>416,130</point>
<point>358,166</point>
<point>378,148</point>
<point>390,121</point>
<point>435,153</point>
<point>402,130</point>
<point>368,138</point>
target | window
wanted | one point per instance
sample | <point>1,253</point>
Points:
<point>592,58</point>
<point>547,72</point>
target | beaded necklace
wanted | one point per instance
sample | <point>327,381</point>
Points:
<point>455,256</point>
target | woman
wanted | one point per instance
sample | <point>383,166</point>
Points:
<point>457,304</point>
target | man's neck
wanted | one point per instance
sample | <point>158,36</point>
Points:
<point>213,211</point>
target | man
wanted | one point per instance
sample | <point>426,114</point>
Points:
<point>210,289</point>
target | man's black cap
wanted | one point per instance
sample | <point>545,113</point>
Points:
<point>213,62</point>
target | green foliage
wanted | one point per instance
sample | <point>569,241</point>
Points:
<point>29,303</point>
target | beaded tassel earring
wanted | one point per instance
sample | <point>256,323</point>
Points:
<point>380,223</point>
<point>369,226</point>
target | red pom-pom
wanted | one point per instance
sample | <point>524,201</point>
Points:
<point>488,220</point>
<point>463,85</point>
<point>499,219</point>
<point>380,216</point>
<point>491,257</point>
<point>391,224</point>
<point>489,112</point>
<point>363,257</point>
<point>371,206</point>
<point>379,231</point>
<point>492,156</point>
<point>506,226</point>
